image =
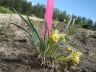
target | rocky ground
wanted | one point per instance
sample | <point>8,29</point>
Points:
<point>18,55</point>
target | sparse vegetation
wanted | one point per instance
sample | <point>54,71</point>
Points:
<point>22,50</point>
<point>67,47</point>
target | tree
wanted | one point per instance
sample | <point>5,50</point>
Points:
<point>56,13</point>
<point>94,25</point>
<point>88,25</point>
<point>22,6</point>
<point>61,18</point>
<point>66,18</point>
<point>78,21</point>
<point>39,10</point>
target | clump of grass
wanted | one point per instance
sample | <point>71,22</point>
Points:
<point>5,10</point>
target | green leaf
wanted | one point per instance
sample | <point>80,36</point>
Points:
<point>33,28</point>
<point>37,38</point>
<point>59,58</point>
<point>51,50</point>
<point>29,23</point>
<point>22,29</point>
<point>22,17</point>
<point>46,37</point>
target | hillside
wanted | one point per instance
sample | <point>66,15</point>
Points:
<point>18,55</point>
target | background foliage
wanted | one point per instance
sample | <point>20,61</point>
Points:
<point>25,7</point>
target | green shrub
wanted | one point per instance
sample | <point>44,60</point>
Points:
<point>5,10</point>
<point>61,18</point>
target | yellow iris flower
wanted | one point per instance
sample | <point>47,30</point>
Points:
<point>55,37</point>
<point>75,56</point>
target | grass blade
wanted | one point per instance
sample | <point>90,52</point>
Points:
<point>34,30</point>
<point>22,29</point>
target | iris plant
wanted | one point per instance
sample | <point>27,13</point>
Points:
<point>47,41</point>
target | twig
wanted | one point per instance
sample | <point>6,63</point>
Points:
<point>68,24</point>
